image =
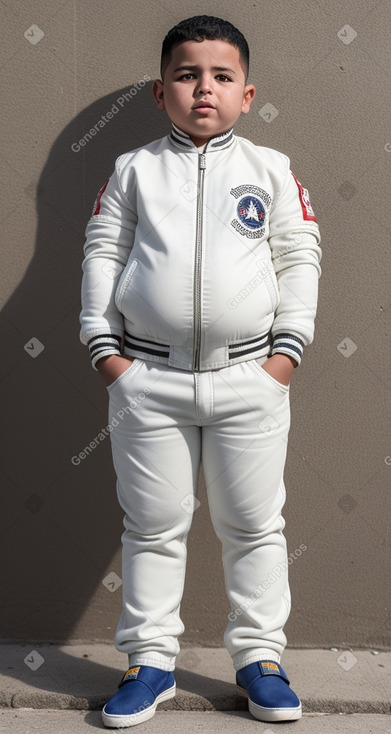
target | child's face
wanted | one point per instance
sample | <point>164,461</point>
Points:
<point>205,71</point>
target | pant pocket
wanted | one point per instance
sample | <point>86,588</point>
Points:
<point>133,367</point>
<point>276,384</point>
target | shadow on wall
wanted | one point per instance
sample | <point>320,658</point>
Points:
<point>60,524</point>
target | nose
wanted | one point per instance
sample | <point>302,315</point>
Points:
<point>205,85</point>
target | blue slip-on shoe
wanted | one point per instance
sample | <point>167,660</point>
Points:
<point>266,686</point>
<point>140,690</point>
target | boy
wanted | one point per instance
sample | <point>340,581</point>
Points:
<point>199,293</point>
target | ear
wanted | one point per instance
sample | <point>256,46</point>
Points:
<point>248,96</point>
<point>158,93</point>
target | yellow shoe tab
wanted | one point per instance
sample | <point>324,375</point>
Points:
<point>131,673</point>
<point>269,668</point>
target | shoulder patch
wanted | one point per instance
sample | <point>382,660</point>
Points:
<point>96,207</point>
<point>308,212</point>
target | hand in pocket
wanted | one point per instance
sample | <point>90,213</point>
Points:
<point>112,367</point>
<point>280,367</point>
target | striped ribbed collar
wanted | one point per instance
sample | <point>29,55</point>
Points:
<point>183,140</point>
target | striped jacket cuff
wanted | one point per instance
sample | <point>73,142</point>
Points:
<point>285,343</point>
<point>103,345</point>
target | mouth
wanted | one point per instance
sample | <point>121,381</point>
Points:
<point>201,106</point>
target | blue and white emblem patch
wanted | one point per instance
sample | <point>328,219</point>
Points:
<point>251,212</point>
<point>252,206</point>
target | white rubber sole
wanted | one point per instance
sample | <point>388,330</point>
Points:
<point>121,721</point>
<point>267,714</point>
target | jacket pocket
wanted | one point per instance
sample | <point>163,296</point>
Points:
<point>124,281</point>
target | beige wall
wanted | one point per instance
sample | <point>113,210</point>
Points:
<point>60,524</point>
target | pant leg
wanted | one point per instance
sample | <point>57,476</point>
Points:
<point>156,455</point>
<point>243,453</point>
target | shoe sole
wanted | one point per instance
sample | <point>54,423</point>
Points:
<point>118,721</point>
<point>268,714</point>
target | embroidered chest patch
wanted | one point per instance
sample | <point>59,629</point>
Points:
<point>251,210</point>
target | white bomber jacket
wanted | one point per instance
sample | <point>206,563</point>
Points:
<point>200,257</point>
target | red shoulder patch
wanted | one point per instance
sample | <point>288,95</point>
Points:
<point>96,207</point>
<point>308,212</point>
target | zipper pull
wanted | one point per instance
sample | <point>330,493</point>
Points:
<point>202,160</point>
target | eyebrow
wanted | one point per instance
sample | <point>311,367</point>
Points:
<point>194,67</point>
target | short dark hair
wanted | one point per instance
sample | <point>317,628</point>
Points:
<point>202,27</point>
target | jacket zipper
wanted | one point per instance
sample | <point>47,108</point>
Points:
<point>198,265</point>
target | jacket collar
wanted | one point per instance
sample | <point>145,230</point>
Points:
<point>182,140</point>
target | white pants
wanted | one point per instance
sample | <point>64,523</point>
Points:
<point>163,421</point>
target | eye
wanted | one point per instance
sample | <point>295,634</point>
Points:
<point>223,78</point>
<point>185,77</point>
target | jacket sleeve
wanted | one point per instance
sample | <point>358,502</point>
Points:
<point>294,242</point>
<point>109,240</point>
